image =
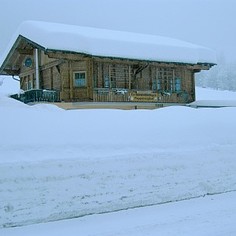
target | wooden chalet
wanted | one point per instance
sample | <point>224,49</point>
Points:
<point>62,63</point>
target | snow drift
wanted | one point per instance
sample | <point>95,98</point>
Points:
<point>57,164</point>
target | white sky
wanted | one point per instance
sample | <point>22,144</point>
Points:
<point>209,23</point>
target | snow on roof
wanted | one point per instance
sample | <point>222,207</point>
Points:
<point>110,43</point>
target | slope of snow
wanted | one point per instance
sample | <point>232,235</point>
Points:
<point>57,164</point>
<point>212,94</point>
<point>214,98</point>
<point>213,103</point>
<point>8,86</point>
<point>110,43</point>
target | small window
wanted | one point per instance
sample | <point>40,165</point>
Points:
<point>80,79</point>
<point>177,84</point>
<point>106,82</point>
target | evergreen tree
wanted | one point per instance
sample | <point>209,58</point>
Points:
<point>221,76</point>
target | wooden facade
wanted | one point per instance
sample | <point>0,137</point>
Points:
<point>79,77</point>
<point>111,80</point>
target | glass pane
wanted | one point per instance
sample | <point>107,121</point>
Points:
<point>177,84</point>
<point>80,80</point>
<point>106,82</point>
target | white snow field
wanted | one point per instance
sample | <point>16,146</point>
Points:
<point>57,164</point>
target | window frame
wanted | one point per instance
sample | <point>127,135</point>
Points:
<point>178,84</point>
<point>85,78</point>
<point>169,81</point>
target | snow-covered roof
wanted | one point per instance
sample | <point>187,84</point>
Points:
<point>110,43</point>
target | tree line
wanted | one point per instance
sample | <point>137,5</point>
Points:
<point>221,76</point>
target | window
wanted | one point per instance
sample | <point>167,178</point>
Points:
<point>169,80</point>
<point>177,84</point>
<point>106,82</point>
<point>80,79</point>
<point>165,79</point>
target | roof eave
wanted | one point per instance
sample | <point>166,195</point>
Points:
<point>3,70</point>
<point>204,64</point>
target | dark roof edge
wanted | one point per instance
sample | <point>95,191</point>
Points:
<point>14,46</point>
<point>36,45</point>
<point>129,59</point>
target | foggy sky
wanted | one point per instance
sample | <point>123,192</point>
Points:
<point>209,23</point>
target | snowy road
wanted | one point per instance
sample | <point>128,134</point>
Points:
<point>210,215</point>
<point>42,191</point>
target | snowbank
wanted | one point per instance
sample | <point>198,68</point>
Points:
<point>8,86</point>
<point>213,103</point>
<point>57,164</point>
<point>213,98</point>
<point>212,94</point>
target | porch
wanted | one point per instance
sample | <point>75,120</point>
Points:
<point>37,95</point>
<point>142,96</point>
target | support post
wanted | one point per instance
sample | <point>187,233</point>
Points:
<point>129,77</point>
<point>37,67</point>
<point>70,79</point>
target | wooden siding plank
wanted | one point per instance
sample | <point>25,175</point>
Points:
<point>70,74</point>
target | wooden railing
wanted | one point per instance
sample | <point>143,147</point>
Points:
<point>110,95</point>
<point>123,95</point>
<point>38,95</point>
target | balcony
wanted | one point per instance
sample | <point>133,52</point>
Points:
<point>38,95</point>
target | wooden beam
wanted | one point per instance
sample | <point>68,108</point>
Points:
<point>30,71</point>
<point>65,56</point>
<point>80,56</point>
<point>52,64</point>
<point>70,79</point>
<point>51,77</point>
<point>199,67</point>
<point>10,71</point>
<point>25,51</point>
<point>90,79</point>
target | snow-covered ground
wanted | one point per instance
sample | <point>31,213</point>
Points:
<point>212,94</point>
<point>207,216</point>
<point>57,164</point>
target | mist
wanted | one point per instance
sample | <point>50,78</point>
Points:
<point>208,23</point>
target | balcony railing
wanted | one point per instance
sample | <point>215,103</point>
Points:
<point>125,95</point>
<point>38,95</point>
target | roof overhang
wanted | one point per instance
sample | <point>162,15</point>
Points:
<point>12,62</point>
<point>24,45</point>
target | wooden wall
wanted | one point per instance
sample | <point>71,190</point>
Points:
<point>111,80</point>
<point>156,82</point>
<point>50,78</point>
<point>49,74</point>
<point>69,91</point>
